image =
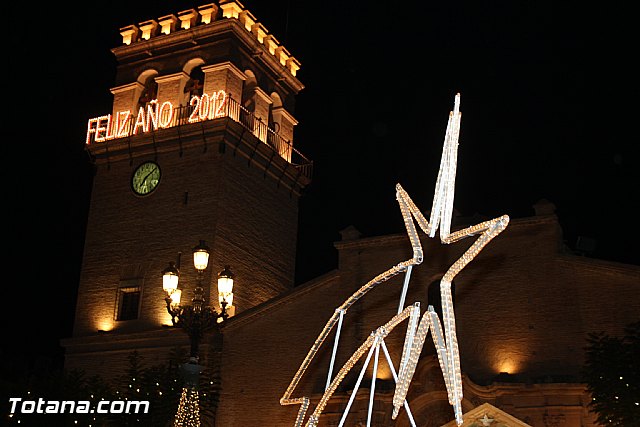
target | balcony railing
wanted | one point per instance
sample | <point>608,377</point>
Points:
<point>215,108</point>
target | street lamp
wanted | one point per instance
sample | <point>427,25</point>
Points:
<point>198,317</point>
<point>195,320</point>
<point>225,288</point>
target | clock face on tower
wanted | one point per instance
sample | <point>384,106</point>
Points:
<point>145,178</point>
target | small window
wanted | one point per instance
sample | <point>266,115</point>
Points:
<point>128,303</point>
<point>195,84</point>
<point>149,93</point>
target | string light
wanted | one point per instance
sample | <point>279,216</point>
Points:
<point>378,335</point>
<point>188,414</point>
<point>446,342</point>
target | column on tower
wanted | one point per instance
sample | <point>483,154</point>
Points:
<point>208,13</point>
<point>261,111</point>
<point>227,77</point>
<point>285,123</point>
<point>171,88</point>
<point>125,97</point>
<point>167,24</point>
<point>187,18</point>
<point>148,29</point>
<point>129,34</point>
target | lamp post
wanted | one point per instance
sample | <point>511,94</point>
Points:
<point>198,317</point>
<point>195,320</point>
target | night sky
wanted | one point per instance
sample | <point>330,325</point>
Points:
<point>549,110</point>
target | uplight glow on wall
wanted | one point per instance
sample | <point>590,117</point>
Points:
<point>444,335</point>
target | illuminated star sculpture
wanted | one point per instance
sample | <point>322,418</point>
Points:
<point>446,342</point>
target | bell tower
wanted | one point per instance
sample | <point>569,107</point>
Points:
<point>198,147</point>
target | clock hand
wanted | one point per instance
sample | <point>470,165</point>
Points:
<point>144,180</point>
<point>147,175</point>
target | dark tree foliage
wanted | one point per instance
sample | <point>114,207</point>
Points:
<point>160,385</point>
<point>612,374</point>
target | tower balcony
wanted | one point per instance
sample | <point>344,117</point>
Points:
<point>123,134</point>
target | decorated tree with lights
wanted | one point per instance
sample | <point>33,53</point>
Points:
<point>188,414</point>
<point>612,374</point>
<point>200,392</point>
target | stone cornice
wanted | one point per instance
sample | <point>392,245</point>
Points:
<point>202,33</point>
<point>127,87</point>
<point>402,238</point>
<point>171,77</point>
<point>101,342</point>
